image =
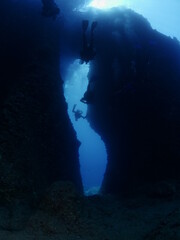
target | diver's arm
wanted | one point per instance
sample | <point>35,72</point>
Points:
<point>73,110</point>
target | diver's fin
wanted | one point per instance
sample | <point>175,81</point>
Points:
<point>94,25</point>
<point>85,24</point>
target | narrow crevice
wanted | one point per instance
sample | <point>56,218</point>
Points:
<point>92,151</point>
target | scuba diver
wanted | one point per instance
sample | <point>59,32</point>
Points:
<point>88,53</point>
<point>88,97</point>
<point>77,113</point>
<point>50,9</point>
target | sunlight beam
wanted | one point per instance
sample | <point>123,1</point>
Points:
<point>106,4</point>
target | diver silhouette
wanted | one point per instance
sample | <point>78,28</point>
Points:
<point>88,53</point>
<point>88,96</point>
<point>50,9</point>
<point>77,113</point>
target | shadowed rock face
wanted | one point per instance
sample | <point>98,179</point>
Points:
<point>38,145</point>
<point>136,92</point>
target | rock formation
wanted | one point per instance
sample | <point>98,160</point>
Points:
<point>38,145</point>
<point>136,100</point>
<point>135,79</point>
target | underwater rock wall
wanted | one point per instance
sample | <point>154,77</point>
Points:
<point>136,78</point>
<point>38,145</point>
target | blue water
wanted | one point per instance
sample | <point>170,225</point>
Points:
<point>92,152</point>
<point>162,14</point>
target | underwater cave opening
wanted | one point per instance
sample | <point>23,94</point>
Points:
<point>92,152</point>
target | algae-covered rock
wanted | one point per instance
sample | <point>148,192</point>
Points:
<point>163,190</point>
<point>61,199</point>
<point>14,216</point>
<point>59,210</point>
<point>168,229</point>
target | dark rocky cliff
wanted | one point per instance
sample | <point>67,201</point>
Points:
<point>136,109</point>
<point>38,145</point>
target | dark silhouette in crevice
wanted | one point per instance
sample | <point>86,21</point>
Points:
<point>88,52</point>
<point>77,113</point>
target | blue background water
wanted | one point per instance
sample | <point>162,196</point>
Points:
<point>92,152</point>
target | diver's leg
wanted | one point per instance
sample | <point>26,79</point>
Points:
<point>93,26</point>
<point>85,45</point>
<point>85,24</point>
